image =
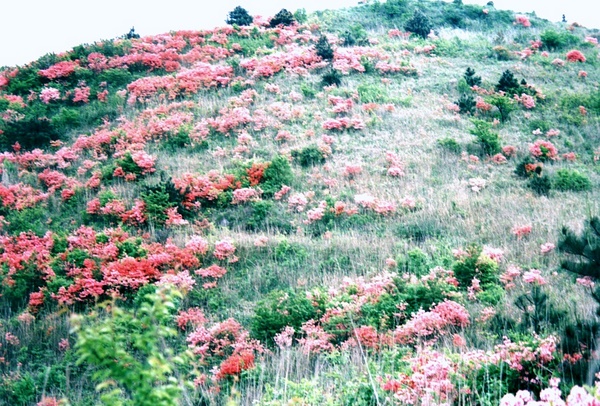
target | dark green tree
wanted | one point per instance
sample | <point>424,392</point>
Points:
<point>419,24</point>
<point>470,77</point>
<point>582,251</point>
<point>324,49</point>
<point>283,17</point>
<point>508,83</point>
<point>239,16</point>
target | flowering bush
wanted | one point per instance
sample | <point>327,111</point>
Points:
<point>575,56</point>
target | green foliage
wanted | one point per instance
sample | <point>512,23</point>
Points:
<point>553,40</point>
<point>156,202</point>
<point>239,16</point>
<point>502,54</point>
<point>308,156</point>
<point>470,77</point>
<point>128,349</point>
<point>393,9</point>
<point>324,49</point>
<point>521,169</point>
<point>372,93</point>
<point>301,16</point>
<point>419,24</point>
<point>278,310</point>
<point>488,140</point>
<point>504,104</point>
<point>331,78</point>
<point>571,179</point>
<point>32,220</point>
<point>278,173</point>
<point>540,185</point>
<point>283,17</point>
<point>128,164</point>
<point>355,36</point>
<point>307,90</point>
<point>475,264</point>
<point>449,144</point>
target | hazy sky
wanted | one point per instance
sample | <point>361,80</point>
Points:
<point>32,28</point>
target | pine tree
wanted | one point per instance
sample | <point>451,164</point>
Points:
<point>508,84</point>
<point>419,25</point>
<point>283,17</point>
<point>239,16</point>
<point>470,77</point>
<point>583,250</point>
<point>324,49</point>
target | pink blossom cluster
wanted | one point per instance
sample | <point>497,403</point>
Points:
<point>522,20</point>
<point>344,123</point>
<point>521,230</point>
<point>526,100</point>
<point>395,164</point>
<point>543,149</point>
<point>48,94</point>
<point>59,70</point>
<point>245,195</point>
<point>534,276</point>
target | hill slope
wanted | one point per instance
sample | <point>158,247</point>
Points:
<point>333,211</point>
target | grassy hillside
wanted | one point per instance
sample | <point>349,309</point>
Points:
<point>368,206</point>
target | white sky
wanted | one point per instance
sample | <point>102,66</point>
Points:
<point>32,28</point>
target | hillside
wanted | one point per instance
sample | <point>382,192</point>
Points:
<point>389,204</point>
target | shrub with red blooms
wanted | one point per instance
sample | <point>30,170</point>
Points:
<point>543,150</point>
<point>575,56</point>
<point>225,345</point>
<point>59,70</point>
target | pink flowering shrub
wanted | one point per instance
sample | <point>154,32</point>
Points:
<point>48,94</point>
<point>543,150</point>
<point>59,70</point>
<point>522,20</point>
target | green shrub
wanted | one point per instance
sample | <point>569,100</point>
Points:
<point>355,36</point>
<point>504,104</point>
<point>571,179</point>
<point>239,16</point>
<point>278,173</point>
<point>552,40</point>
<point>419,25</point>
<point>308,156</point>
<point>475,264</point>
<point>372,93</point>
<point>278,310</point>
<point>449,144</point>
<point>502,54</point>
<point>283,17</point>
<point>540,185</point>
<point>488,141</point>
<point>130,351</point>
<point>331,78</point>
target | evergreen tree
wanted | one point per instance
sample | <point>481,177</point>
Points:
<point>239,16</point>
<point>283,17</point>
<point>583,251</point>
<point>470,77</point>
<point>419,25</point>
<point>508,84</point>
<point>324,49</point>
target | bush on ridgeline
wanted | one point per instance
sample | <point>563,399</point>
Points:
<point>419,24</point>
<point>283,17</point>
<point>239,16</point>
<point>131,34</point>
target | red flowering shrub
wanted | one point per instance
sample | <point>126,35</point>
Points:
<point>575,56</point>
